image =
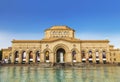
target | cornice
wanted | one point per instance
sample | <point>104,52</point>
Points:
<point>94,41</point>
<point>114,49</point>
<point>26,41</point>
<point>7,49</point>
<point>58,39</point>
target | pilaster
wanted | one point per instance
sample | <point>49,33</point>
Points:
<point>34,57</point>
<point>94,57</point>
<point>78,58</point>
<point>42,57</point>
<point>20,58</point>
<point>101,59</point>
<point>13,58</point>
<point>27,57</point>
<point>51,57</point>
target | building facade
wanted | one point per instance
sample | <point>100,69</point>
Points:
<point>60,46</point>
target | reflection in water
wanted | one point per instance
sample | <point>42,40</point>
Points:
<point>36,74</point>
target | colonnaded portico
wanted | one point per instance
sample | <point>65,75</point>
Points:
<point>60,46</point>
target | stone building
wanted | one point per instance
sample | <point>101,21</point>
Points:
<point>60,46</point>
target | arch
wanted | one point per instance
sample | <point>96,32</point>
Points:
<point>30,56</point>
<point>90,53</point>
<point>97,53</point>
<point>47,49</point>
<point>104,54</point>
<point>24,55</point>
<point>74,53</point>
<point>60,46</point>
<point>37,57</point>
<point>74,56</point>
<point>46,54</point>
<point>90,56</point>
<point>83,56</point>
<point>75,49</point>
<point>16,56</point>
<point>97,56</point>
<point>60,54</point>
<point>64,49</point>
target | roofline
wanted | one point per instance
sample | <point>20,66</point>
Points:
<point>59,29</point>
<point>48,40</point>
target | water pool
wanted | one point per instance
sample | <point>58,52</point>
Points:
<point>37,74</point>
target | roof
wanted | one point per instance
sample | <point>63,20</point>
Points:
<point>60,28</point>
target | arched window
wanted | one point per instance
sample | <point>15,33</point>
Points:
<point>83,57</point>
<point>23,56</point>
<point>47,56</point>
<point>38,56</point>
<point>104,57</point>
<point>97,57</point>
<point>73,56</point>
<point>97,54</point>
<point>104,54</point>
<point>90,54</point>
<point>16,56</point>
<point>83,54</point>
<point>31,56</point>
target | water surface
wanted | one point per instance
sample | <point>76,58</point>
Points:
<point>37,74</point>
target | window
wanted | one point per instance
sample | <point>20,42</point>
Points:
<point>74,55</point>
<point>83,54</point>
<point>47,55</point>
<point>97,54</point>
<point>104,54</point>
<point>37,56</point>
<point>90,54</point>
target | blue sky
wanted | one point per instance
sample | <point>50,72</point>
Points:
<point>27,19</point>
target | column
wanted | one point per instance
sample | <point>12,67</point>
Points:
<point>68,57</point>
<point>87,57</point>
<point>51,57</point>
<point>3,57</point>
<point>80,58</point>
<point>94,57</point>
<point>13,59</point>
<point>34,57</point>
<point>100,57</point>
<point>42,57</point>
<point>27,57</point>
<point>108,57</point>
<point>20,57</point>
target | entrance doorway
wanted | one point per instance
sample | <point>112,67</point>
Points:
<point>60,55</point>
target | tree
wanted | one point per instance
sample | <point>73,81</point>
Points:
<point>0,54</point>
